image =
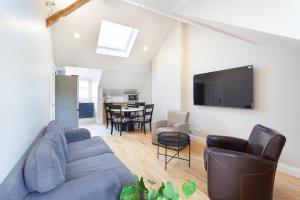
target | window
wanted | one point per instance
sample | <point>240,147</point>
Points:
<point>116,39</point>
<point>84,90</point>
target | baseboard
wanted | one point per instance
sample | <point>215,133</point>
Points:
<point>197,138</point>
<point>290,170</point>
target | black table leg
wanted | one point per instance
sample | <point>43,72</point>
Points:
<point>157,151</point>
<point>166,162</point>
<point>190,155</point>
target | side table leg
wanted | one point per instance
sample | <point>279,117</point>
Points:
<point>190,155</point>
<point>166,158</point>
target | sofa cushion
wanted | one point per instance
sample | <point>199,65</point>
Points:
<point>54,137</point>
<point>87,152</point>
<point>175,117</point>
<point>43,171</point>
<point>53,127</point>
<point>99,164</point>
<point>92,142</point>
<point>164,129</point>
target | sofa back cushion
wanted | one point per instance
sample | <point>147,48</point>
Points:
<point>43,171</point>
<point>175,117</point>
<point>57,144</point>
<point>53,127</point>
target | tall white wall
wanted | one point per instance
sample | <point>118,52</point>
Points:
<point>145,91</point>
<point>166,74</point>
<point>25,78</point>
<point>276,81</point>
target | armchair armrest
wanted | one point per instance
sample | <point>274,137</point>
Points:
<point>182,127</point>
<point>77,135</point>
<point>158,124</point>
<point>93,187</point>
<point>225,142</point>
<point>235,175</point>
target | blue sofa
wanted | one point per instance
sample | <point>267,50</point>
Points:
<point>66,166</point>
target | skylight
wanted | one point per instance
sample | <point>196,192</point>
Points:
<point>116,39</point>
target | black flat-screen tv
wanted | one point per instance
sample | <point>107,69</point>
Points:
<point>226,88</point>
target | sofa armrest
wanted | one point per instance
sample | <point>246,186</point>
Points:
<point>77,135</point>
<point>182,127</point>
<point>235,175</point>
<point>225,142</point>
<point>158,124</point>
<point>92,187</point>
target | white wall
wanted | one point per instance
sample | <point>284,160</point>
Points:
<point>276,77</point>
<point>166,74</point>
<point>145,91</point>
<point>25,78</point>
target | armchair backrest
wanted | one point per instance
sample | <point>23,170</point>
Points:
<point>175,117</point>
<point>265,143</point>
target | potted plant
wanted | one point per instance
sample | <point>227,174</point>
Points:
<point>166,191</point>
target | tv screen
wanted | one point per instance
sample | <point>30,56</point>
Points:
<point>226,88</point>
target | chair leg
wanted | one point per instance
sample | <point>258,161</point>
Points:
<point>144,128</point>
<point>150,127</point>
<point>106,123</point>
<point>112,128</point>
<point>120,127</point>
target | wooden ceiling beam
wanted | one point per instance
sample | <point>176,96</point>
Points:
<point>64,12</point>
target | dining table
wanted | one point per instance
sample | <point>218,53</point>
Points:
<point>127,112</point>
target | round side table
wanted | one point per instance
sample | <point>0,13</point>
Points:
<point>175,141</point>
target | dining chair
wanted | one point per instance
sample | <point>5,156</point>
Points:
<point>117,118</point>
<point>139,104</point>
<point>146,117</point>
<point>107,114</point>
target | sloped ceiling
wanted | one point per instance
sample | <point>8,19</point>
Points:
<point>86,21</point>
<point>267,18</point>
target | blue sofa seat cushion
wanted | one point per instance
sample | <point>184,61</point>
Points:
<point>101,186</point>
<point>99,164</point>
<point>87,148</point>
<point>92,142</point>
<point>88,152</point>
<point>43,171</point>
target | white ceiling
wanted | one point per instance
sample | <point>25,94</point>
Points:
<point>255,21</point>
<point>69,51</point>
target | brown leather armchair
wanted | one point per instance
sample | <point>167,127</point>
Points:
<point>240,169</point>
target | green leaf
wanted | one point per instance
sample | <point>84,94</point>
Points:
<point>151,195</point>
<point>136,178</point>
<point>170,192</point>
<point>160,193</point>
<point>130,193</point>
<point>161,198</point>
<point>141,185</point>
<point>189,188</point>
<point>151,182</point>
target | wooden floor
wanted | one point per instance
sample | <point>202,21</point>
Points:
<point>139,155</point>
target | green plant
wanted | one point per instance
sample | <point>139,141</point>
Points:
<point>166,191</point>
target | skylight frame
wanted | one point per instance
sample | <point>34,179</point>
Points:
<point>103,46</point>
